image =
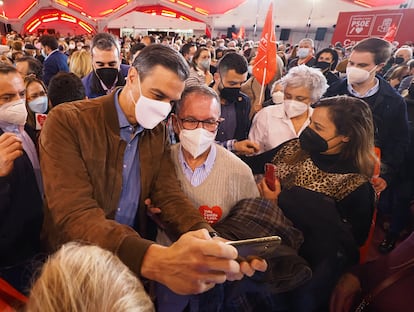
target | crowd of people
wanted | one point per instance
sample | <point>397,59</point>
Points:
<point>126,163</point>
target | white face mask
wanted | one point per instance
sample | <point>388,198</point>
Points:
<point>148,112</point>
<point>39,104</point>
<point>14,112</point>
<point>196,141</point>
<point>72,46</point>
<point>303,53</point>
<point>357,75</point>
<point>278,97</point>
<point>294,108</point>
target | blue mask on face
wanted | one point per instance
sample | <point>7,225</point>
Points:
<point>303,53</point>
<point>39,105</point>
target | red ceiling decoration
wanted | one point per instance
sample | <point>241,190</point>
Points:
<point>14,9</point>
<point>209,7</point>
<point>97,9</point>
<point>164,11</point>
<point>94,9</point>
<point>48,18</point>
<point>376,3</point>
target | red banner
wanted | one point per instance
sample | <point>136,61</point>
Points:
<point>265,64</point>
<point>392,25</point>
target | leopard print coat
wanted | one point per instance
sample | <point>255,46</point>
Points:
<point>307,175</point>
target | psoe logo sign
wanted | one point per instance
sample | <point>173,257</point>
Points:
<point>360,25</point>
<point>383,22</point>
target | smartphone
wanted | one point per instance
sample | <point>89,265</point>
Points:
<point>271,175</point>
<point>262,247</point>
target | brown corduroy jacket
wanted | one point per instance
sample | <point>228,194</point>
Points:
<point>81,154</point>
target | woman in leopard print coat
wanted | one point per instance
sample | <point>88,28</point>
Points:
<point>325,191</point>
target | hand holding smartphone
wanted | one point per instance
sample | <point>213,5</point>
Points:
<point>262,247</point>
<point>271,175</point>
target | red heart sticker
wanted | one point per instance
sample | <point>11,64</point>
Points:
<point>40,120</point>
<point>211,215</point>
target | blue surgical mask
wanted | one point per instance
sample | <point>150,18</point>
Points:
<point>303,53</point>
<point>39,105</point>
<point>204,64</point>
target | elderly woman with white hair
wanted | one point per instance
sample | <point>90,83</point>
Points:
<point>276,124</point>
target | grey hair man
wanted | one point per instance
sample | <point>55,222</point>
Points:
<point>305,54</point>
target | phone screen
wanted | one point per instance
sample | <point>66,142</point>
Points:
<point>262,247</point>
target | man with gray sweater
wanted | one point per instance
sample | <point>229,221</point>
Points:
<point>213,178</point>
<point>216,181</point>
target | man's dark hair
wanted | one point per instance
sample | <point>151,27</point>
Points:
<point>49,41</point>
<point>379,47</point>
<point>65,87</point>
<point>185,49</point>
<point>35,67</point>
<point>233,61</point>
<point>135,48</point>
<point>158,54</point>
<point>105,42</point>
<point>218,50</point>
<point>6,69</point>
<point>410,63</point>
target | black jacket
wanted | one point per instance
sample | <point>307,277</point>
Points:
<point>243,123</point>
<point>21,218</point>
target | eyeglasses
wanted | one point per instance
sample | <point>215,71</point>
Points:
<point>209,125</point>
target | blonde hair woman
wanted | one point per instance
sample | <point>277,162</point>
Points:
<point>87,278</point>
<point>80,63</point>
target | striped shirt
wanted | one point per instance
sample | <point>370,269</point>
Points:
<point>200,173</point>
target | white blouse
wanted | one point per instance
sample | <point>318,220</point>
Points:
<point>271,127</point>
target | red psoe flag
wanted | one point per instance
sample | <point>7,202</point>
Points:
<point>390,35</point>
<point>265,65</point>
<point>242,32</point>
<point>208,31</point>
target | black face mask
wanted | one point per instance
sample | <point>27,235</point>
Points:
<point>310,141</point>
<point>324,66</point>
<point>399,60</point>
<point>107,75</point>
<point>230,94</point>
